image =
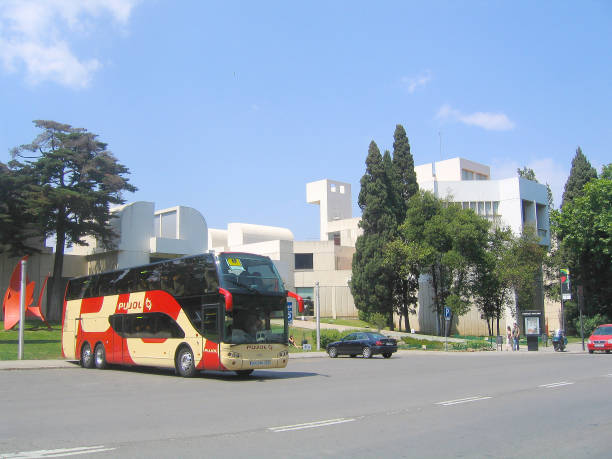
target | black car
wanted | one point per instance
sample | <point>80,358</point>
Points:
<point>363,343</point>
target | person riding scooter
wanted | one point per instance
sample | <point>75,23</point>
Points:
<point>559,340</point>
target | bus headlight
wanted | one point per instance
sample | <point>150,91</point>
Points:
<point>233,355</point>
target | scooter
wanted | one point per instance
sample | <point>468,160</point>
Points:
<point>559,341</point>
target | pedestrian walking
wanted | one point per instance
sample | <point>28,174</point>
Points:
<point>515,337</point>
<point>509,341</point>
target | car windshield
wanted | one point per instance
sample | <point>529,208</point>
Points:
<point>603,331</point>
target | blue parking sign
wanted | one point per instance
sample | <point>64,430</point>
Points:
<point>447,313</point>
<point>289,311</point>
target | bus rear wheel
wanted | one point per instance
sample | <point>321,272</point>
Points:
<point>100,356</point>
<point>185,366</point>
<point>87,360</point>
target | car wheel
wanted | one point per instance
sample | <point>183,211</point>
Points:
<point>591,351</point>
<point>185,366</point>
<point>333,352</point>
<point>366,352</point>
<point>87,360</point>
<point>387,355</point>
<point>607,351</point>
<point>244,372</point>
<point>100,357</point>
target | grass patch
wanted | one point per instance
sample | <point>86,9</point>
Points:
<point>38,342</point>
<point>348,322</point>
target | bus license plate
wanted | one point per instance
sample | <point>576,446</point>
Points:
<point>258,363</point>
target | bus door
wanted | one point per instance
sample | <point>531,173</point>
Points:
<point>117,341</point>
<point>211,331</point>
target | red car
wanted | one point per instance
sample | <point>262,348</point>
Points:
<point>601,339</point>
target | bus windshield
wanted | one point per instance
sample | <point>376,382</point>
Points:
<point>249,272</point>
<point>263,322</point>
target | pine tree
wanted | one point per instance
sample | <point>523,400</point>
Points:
<point>16,226</point>
<point>580,174</point>
<point>76,179</point>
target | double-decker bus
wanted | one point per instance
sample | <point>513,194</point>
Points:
<point>224,312</point>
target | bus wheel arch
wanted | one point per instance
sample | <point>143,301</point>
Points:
<point>100,356</point>
<point>184,362</point>
<point>86,356</point>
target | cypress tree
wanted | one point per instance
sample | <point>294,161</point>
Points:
<point>371,282</point>
<point>403,163</point>
<point>580,174</point>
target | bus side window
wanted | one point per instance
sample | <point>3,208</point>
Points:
<point>116,322</point>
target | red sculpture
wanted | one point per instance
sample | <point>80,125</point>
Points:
<point>10,305</point>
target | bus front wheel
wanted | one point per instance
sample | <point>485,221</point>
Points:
<point>185,366</point>
<point>87,360</point>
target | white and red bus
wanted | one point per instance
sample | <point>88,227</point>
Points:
<point>203,312</point>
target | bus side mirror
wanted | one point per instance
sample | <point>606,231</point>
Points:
<point>299,299</point>
<point>229,300</point>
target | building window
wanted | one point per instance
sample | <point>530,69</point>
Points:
<point>467,175</point>
<point>341,189</point>
<point>332,187</point>
<point>335,236</point>
<point>303,261</point>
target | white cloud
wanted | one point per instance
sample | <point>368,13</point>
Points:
<point>485,120</point>
<point>412,84</point>
<point>35,34</point>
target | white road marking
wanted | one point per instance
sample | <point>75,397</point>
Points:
<point>310,425</point>
<point>56,452</point>
<point>463,400</point>
<point>557,384</point>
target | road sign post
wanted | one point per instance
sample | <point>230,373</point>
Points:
<point>447,318</point>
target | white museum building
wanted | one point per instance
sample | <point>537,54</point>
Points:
<point>147,235</point>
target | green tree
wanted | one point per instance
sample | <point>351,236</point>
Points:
<point>76,179</point>
<point>527,173</point>
<point>371,281</point>
<point>446,243</point>
<point>522,269</point>
<point>403,163</point>
<point>404,187</point>
<point>16,226</point>
<point>584,226</point>
<point>580,174</point>
<point>491,286</point>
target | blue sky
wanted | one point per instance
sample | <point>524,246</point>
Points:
<point>232,107</point>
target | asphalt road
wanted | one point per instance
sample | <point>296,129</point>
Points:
<point>488,404</point>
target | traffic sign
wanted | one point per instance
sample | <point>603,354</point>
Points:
<point>289,311</point>
<point>447,313</point>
